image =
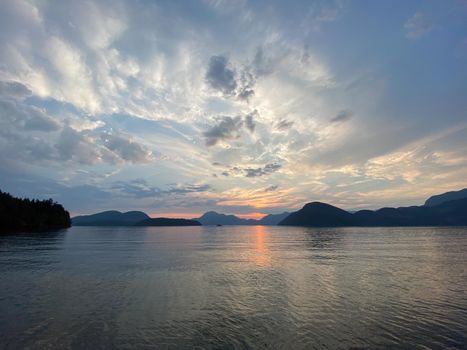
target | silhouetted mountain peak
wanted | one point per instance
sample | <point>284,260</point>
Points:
<point>320,205</point>
<point>273,219</point>
<point>214,218</point>
<point>211,213</point>
<point>317,214</point>
<point>446,197</point>
<point>110,218</point>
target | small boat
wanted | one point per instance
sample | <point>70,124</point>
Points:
<point>218,225</point>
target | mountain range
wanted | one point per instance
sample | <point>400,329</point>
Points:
<point>110,218</point>
<point>447,209</point>
<point>139,218</point>
<point>316,214</point>
<point>167,222</point>
<point>445,197</point>
<point>214,218</point>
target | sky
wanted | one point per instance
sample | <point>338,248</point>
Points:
<point>245,107</point>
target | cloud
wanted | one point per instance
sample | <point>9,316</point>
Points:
<point>239,171</point>
<point>220,76</point>
<point>271,188</point>
<point>14,89</point>
<point>72,196</point>
<point>284,125</point>
<point>266,170</point>
<point>78,146</point>
<point>246,94</point>
<point>418,26</point>
<point>342,116</point>
<point>16,116</point>
<point>180,188</point>
<point>246,84</point>
<point>249,121</point>
<point>126,148</point>
<point>228,128</point>
<point>137,188</point>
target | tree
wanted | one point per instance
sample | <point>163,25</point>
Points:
<point>18,214</point>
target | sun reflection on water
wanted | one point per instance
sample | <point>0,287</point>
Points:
<point>262,256</point>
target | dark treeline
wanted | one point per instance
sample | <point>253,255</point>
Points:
<point>17,214</point>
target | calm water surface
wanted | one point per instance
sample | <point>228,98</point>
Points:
<point>234,287</point>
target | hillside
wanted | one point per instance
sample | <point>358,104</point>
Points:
<point>214,218</point>
<point>110,218</point>
<point>319,214</point>
<point>168,222</point>
<point>446,197</point>
<point>17,214</point>
<point>450,213</point>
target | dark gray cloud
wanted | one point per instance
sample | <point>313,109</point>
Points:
<point>246,94</point>
<point>252,172</point>
<point>14,90</point>
<point>266,170</point>
<point>17,116</point>
<point>249,120</point>
<point>220,76</point>
<point>36,149</point>
<point>22,125</point>
<point>76,145</point>
<point>284,125</point>
<point>271,188</point>
<point>342,116</point>
<point>246,84</point>
<point>228,128</point>
<point>126,149</point>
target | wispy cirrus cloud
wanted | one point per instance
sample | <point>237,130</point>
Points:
<point>342,116</point>
<point>418,26</point>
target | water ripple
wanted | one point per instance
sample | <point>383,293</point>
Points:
<point>235,288</point>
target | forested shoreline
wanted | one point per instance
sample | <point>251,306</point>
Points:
<point>25,215</point>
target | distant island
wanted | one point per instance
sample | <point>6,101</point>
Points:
<point>139,218</point>
<point>26,215</point>
<point>130,218</point>
<point>446,212</point>
<point>110,218</point>
<point>168,222</point>
<point>213,218</point>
